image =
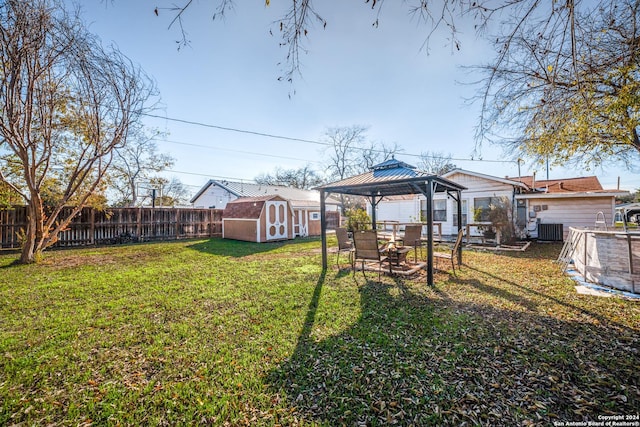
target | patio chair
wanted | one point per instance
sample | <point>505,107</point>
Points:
<point>344,245</point>
<point>413,237</point>
<point>452,252</point>
<point>366,249</point>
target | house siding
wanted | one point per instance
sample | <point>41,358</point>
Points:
<point>576,212</point>
<point>398,210</point>
<point>478,184</point>
<point>214,197</point>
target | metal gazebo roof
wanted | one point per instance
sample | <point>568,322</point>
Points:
<point>390,178</point>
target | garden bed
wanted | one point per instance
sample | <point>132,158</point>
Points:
<point>514,247</point>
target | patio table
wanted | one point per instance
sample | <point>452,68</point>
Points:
<point>397,255</point>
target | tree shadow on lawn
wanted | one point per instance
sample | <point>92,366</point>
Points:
<point>415,357</point>
<point>528,303</point>
<point>239,248</point>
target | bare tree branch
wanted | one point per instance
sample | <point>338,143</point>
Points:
<point>562,86</point>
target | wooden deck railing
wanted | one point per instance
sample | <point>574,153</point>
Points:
<point>395,228</point>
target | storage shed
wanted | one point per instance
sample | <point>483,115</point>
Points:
<point>258,219</point>
<point>305,203</point>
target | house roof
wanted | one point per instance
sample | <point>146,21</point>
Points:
<point>244,189</point>
<point>508,181</point>
<point>588,186</point>
<point>391,178</point>
<point>565,185</point>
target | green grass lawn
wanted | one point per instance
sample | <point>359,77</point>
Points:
<point>223,332</point>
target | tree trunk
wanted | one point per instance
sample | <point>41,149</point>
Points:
<point>32,245</point>
<point>28,254</point>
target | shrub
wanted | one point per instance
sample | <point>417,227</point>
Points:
<point>501,218</point>
<point>358,219</point>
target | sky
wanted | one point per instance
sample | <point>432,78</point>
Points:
<point>220,97</point>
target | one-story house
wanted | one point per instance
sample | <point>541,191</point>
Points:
<point>542,208</point>
<point>215,194</point>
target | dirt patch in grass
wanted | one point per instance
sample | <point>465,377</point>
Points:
<point>70,260</point>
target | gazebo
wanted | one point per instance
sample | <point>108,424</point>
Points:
<point>391,178</point>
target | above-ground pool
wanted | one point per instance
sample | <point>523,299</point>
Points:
<point>610,258</point>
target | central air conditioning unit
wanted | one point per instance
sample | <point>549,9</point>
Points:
<point>550,232</point>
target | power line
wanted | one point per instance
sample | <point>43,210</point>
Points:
<point>250,132</point>
<point>233,150</point>
<point>209,176</point>
<point>307,141</point>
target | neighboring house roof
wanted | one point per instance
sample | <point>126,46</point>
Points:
<point>586,186</point>
<point>244,189</point>
<point>565,185</point>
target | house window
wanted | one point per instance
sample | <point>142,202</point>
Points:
<point>464,214</point>
<point>521,214</point>
<point>315,216</point>
<point>440,210</point>
<point>481,207</point>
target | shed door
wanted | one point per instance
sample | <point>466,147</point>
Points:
<point>303,230</point>
<point>276,220</point>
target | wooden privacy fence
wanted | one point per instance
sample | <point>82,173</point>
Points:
<point>119,225</point>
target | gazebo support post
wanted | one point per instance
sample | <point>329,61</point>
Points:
<point>323,229</point>
<point>459,194</point>
<point>429,196</point>
<point>374,205</point>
